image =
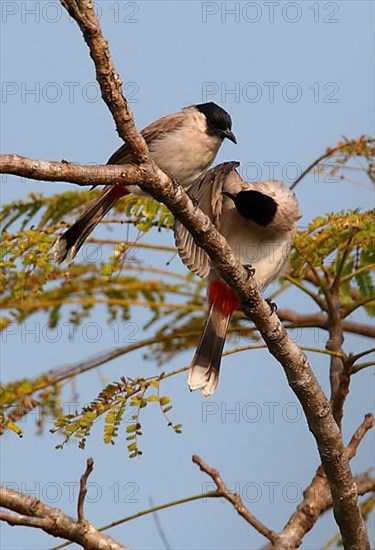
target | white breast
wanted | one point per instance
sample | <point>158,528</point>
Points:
<point>265,251</point>
<point>186,153</point>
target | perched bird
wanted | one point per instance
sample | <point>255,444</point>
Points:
<point>259,222</point>
<point>182,144</point>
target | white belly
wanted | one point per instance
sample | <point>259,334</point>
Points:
<point>266,252</point>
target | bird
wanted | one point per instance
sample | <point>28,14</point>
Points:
<point>183,145</point>
<point>259,222</point>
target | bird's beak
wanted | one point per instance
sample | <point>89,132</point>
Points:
<point>229,195</point>
<point>229,135</point>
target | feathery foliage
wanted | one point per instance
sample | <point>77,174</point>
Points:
<point>335,250</point>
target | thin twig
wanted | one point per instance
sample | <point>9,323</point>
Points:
<point>329,152</point>
<point>350,309</point>
<point>234,499</point>
<point>210,494</point>
<point>357,356</point>
<point>83,489</point>
<point>159,527</point>
<point>362,366</point>
<point>359,434</point>
<point>341,264</point>
<point>307,291</point>
<point>319,320</point>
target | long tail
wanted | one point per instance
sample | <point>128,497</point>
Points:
<point>205,367</point>
<point>67,246</point>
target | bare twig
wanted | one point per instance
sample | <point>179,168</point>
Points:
<point>159,527</point>
<point>365,484</point>
<point>234,499</point>
<point>362,366</point>
<point>357,356</point>
<point>83,488</point>
<point>320,320</point>
<point>359,434</point>
<point>329,152</point>
<point>342,391</point>
<point>346,311</point>
<point>319,301</point>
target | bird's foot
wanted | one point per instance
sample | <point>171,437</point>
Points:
<point>176,184</point>
<point>194,201</point>
<point>250,270</point>
<point>273,306</point>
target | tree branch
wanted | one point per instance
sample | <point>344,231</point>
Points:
<point>361,366</point>
<point>296,366</point>
<point>316,498</point>
<point>63,171</point>
<point>234,499</point>
<point>210,494</point>
<point>33,513</point>
<point>359,434</point>
<point>83,488</point>
<point>319,320</point>
<point>25,521</point>
<point>329,152</point>
<point>109,81</point>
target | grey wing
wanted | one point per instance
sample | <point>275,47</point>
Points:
<point>208,194</point>
<point>153,131</point>
<point>194,257</point>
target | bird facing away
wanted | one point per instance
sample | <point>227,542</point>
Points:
<point>182,144</point>
<point>259,222</point>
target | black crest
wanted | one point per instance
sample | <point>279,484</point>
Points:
<point>255,206</point>
<point>218,120</point>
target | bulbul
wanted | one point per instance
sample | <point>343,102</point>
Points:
<point>182,144</point>
<point>259,222</point>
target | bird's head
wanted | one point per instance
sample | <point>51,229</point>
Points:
<point>218,120</point>
<point>255,206</point>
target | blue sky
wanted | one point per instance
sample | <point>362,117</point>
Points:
<point>295,80</point>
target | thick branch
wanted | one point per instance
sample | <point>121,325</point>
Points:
<point>316,498</point>
<point>309,514</point>
<point>129,174</point>
<point>33,513</point>
<point>233,498</point>
<point>107,77</point>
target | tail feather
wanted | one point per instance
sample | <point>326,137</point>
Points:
<point>205,367</point>
<point>67,246</point>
